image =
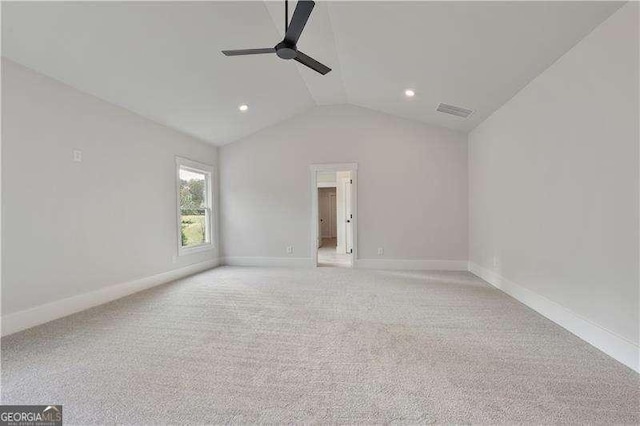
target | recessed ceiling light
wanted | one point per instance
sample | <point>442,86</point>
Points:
<point>243,108</point>
<point>409,93</point>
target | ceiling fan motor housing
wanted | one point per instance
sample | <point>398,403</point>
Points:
<point>288,48</point>
<point>285,50</point>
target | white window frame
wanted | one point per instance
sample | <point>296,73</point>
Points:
<point>207,170</point>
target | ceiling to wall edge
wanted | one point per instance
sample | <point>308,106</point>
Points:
<point>412,120</point>
<point>316,104</point>
<point>545,69</point>
<point>223,143</point>
<point>279,122</point>
<point>371,110</point>
<point>272,125</point>
<point>153,120</point>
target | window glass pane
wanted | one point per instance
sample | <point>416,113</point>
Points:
<point>192,208</point>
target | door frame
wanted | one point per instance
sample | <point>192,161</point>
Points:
<point>333,167</point>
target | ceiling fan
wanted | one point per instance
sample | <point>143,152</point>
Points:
<point>287,48</point>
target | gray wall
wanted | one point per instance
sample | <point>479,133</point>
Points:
<point>69,228</point>
<point>412,185</point>
<point>553,181</point>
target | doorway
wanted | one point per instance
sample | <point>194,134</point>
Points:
<point>333,214</point>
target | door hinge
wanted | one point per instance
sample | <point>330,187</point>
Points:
<point>351,216</point>
<point>350,180</point>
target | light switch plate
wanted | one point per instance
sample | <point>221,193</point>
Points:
<point>77,155</point>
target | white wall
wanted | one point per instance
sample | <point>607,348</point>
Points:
<point>553,182</point>
<point>412,185</point>
<point>72,228</point>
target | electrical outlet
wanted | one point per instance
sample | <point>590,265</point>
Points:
<point>77,155</point>
<point>380,251</point>
<point>496,262</point>
<point>289,249</point>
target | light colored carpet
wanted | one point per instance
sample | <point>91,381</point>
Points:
<point>329,345</point>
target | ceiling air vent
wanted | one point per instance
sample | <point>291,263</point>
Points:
<point>454,110</point>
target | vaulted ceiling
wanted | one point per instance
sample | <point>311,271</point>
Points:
<point>162,60</point>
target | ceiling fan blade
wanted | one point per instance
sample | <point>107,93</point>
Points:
<point>298,21</point>
<point>312,63</point>
<point>249,51</point>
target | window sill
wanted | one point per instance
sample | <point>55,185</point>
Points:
<point>185,251</point>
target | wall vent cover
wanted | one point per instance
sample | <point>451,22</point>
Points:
<point>454,110</point>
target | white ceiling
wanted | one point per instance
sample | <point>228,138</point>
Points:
<point>163,61</point>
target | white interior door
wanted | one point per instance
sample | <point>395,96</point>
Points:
<point>341,246</point>
<point>318,225</point>
<point>348,215</point>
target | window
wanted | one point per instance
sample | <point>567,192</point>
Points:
<point>194,206</point>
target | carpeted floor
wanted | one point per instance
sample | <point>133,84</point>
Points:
<point>329,345</point>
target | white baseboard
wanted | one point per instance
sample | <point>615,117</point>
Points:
<point>415,265</point>
<point>28,318</point>
<point>617,347</point>
<point>292,262</point>
<point>394,264</point>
